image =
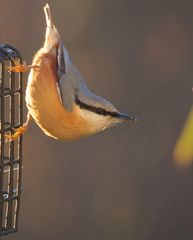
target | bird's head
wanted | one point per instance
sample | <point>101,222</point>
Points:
<point>99,113</point>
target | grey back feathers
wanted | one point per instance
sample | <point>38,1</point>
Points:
<point>72,85</point>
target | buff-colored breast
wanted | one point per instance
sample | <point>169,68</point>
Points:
<point>44,103</point>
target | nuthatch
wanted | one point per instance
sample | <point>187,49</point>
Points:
<point>57,96</point>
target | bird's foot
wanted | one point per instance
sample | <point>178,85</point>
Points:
<point>17,133</point>
<point>20,67</point>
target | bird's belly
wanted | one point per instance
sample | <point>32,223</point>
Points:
<point>43,103</point>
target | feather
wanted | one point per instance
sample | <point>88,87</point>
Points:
<point>48,16</point>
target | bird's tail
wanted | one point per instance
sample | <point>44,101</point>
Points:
<point>48,16</point>
<point>52,37</point>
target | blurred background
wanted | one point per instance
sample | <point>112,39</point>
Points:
<point>122,183</point>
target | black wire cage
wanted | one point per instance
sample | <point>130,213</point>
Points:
<point>11,117</point>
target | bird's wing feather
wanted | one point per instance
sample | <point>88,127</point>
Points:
<point>72,85</point>
<point>65,83</point>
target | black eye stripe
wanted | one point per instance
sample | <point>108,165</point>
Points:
<point>97,110</point>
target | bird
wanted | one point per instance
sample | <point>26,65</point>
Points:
<point>58,98</point>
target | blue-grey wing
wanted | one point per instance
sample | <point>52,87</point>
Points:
<point>72,86</point>
<point>70,82</point>
<point>65,84</point>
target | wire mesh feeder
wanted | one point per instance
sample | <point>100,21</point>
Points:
<point>11,116</point>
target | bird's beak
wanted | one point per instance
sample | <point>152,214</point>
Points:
<point>125,117</point>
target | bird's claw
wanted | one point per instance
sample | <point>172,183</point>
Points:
<point>20,67</point>
<point>18,132</point>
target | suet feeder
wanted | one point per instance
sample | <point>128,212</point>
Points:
<point>11,117</point>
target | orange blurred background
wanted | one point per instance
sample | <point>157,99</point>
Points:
<point>122,183</point>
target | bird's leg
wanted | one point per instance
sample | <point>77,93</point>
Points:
<point>20,67</point>
<point>19,131</point>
